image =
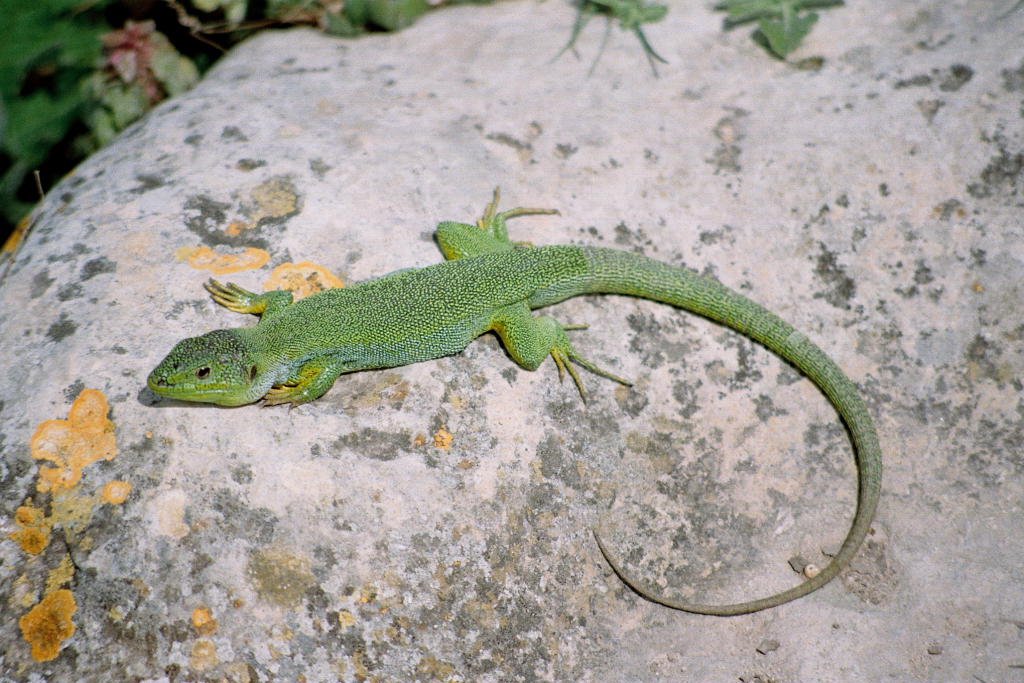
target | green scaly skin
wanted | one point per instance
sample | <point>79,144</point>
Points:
<point>297,350</point>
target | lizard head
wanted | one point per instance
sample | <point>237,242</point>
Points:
<point>214,368</point>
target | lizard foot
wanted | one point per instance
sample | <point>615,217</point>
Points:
<point>565,356</point>
<point>309,383</point>
<point>234,298</point>
<point>284,393</point>
<point>231,296</point>
<point>494,222</point>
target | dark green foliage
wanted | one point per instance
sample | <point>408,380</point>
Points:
<point>389,15</point>
<point>48,49</point>
<point>631,15</point>
<point>781,24</point>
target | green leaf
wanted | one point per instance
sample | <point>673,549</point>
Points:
<point>36,123</point>
<point>39,41</point>
<point>282,8</point>
<point>394,15</point>
<point>782,24</point>
<point>101,124</point>
<point>357,12</point>
<point>631,14</point>
<point>652,13</point>
<point>784,35</point>
<point>743,11</point>
<point>234,10</point>
<point>173,71</point>
<point>126,103</point>
<point>337,24</point>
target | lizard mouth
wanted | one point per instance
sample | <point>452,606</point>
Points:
<point>207,393</point>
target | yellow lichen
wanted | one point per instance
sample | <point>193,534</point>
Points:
<point>280,577</point>
<point>302,279</point>
<point>433,669</point>
<point>362,671</point>
<point>62,574</point>
<point>205,258</point>
<point>443,439</point>
<point>346,619</point>
<point>116,492</point>
<point>47,625</point>
<point>13,240</point>
<point>72,510</point>
<point>275,198</point>
<point>71,445</point>
<point>367,594</point>
<point>203,621</point>
<point>33,533</point>
<point>204,655</point>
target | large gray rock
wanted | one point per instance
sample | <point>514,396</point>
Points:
<point>433,522</point>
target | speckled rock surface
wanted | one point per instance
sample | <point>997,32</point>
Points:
<point>433,522</point>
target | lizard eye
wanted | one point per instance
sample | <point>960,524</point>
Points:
<point>203,372</point>
<point>252,373</point>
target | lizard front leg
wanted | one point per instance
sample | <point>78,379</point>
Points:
<point>310,382</point>
<point>234,298</point>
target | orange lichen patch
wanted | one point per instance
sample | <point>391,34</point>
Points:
<point>48,624</point>
<point>205,258</point>
<point>443,439</point>
<point>69,446</point>
<point>235,228</point>
<point>13,240</point>
<point>73,444</point>
<point>203,621</point>
<point>302,279</point>
<point>33,533</point>
<point>116,492</point>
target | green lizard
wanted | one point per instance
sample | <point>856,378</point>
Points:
<point>297,350</point>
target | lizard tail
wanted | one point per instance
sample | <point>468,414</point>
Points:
<point>617,272</point>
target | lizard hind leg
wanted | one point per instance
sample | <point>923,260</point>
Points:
<point>490,234</point>
<point>530,339</point>
<point>495,223</point>
<point>239,300</point>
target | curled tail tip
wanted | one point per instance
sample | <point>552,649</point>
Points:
<point>725,610</point>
